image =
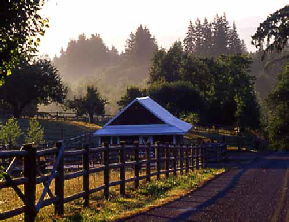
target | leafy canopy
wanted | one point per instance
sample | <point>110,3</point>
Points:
<point>91,104</point>
<point>278,105</point>
<point>20,27</point>
<point>37,82</point>
<point>274,31</point>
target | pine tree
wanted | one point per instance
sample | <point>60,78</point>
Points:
<point>207,38</point>
<point>235,44</point>
<point>141,46</point>
<point>189,41</point>
<point>198,38</point>
<point>220,35</point>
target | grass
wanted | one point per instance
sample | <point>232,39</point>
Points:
<point>148,195</point>
<point>56,130</point>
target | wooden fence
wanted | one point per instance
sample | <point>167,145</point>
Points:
<point>151,160</point>
<point>99,119</point>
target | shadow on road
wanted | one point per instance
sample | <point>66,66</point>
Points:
<point>215,189</point>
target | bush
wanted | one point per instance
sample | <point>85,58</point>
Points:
<point>35,132</point>
<point>10,133</point>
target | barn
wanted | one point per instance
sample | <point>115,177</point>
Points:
<point>143,120</point>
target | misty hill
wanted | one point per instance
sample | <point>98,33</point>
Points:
<point>89,61</point>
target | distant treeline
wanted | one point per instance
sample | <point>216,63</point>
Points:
<point>88,61</point>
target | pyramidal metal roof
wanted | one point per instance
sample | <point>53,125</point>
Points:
<point>172,125</point>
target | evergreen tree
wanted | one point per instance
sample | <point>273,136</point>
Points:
<point>207,39</point>
<point>198,38</point>
<point>235,44</point>
<point>189,41</point>
<point>141,46</point>
<point>220,35</point>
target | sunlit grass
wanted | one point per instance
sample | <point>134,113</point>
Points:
<point>148,195</point>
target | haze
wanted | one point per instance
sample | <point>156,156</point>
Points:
<point>167,20</point>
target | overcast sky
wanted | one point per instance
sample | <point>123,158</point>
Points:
<point>167,20</point>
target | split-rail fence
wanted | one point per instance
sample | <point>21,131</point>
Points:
<point>151,160</point>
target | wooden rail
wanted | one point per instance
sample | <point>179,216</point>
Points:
<point>151,160</point>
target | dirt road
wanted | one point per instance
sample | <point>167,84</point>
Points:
<point>255,192</point>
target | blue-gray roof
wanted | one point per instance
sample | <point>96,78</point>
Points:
<point>172,125</point>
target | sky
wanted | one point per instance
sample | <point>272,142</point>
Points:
<point>167,20</point>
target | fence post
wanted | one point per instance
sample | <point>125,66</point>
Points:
<point>158,154</point>
<point>59,183</point>
<point>106,171</point>
<point>198,158</point>
<point>193,157</point>
<point>148,167</point>
<point>136,166</point>
<point>175,152</point>
<point>168,156</point>
<point>85,163</point>
<point>122,169</point>
<point>181,160</point>
<point>30,187</point>
<point>203,156</point>
<point>187,158</point>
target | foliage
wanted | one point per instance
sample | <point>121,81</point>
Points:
<point>177,97</point>
<point>140,46</point>
<point>2,172</point>
<point>84,56</point>
<point>154,193</point>
<point>92,103</point>
<point>224,85</point>
<point>274,31</point>
<point>209,39</point>
<point>10,133</point>
<point>193,118</point>
<point>20,26</point>
<point>131,93</point>
<point>278,105</point>
<point>38,83</point>
<point>35,132</point>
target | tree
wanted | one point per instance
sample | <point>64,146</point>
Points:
<point>274,31</point>
<point>167,66</point>
<point>131,93</point>
<point>278,105</point>
<point>189,40</point>
<point>20,25</point>
<point>235,43</point>
<point>38,82</point>
<point>85,55</point>
<point>220,35</point>
<point>178,97</point>
<point>140,46</point>
<point>10,133</point>
<point>207,44</point>
<point>91,104</point>
<point>35,132</point>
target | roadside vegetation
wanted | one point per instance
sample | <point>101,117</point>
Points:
<point>147,196</point>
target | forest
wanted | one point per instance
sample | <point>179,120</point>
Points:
<point>88,61</point>
<point>208,78</point>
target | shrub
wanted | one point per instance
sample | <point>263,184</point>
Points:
<point>10,133</point>
<point>35,132</point>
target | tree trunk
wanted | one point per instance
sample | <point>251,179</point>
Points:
<point>17,111</point>
<point>91,117</point>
